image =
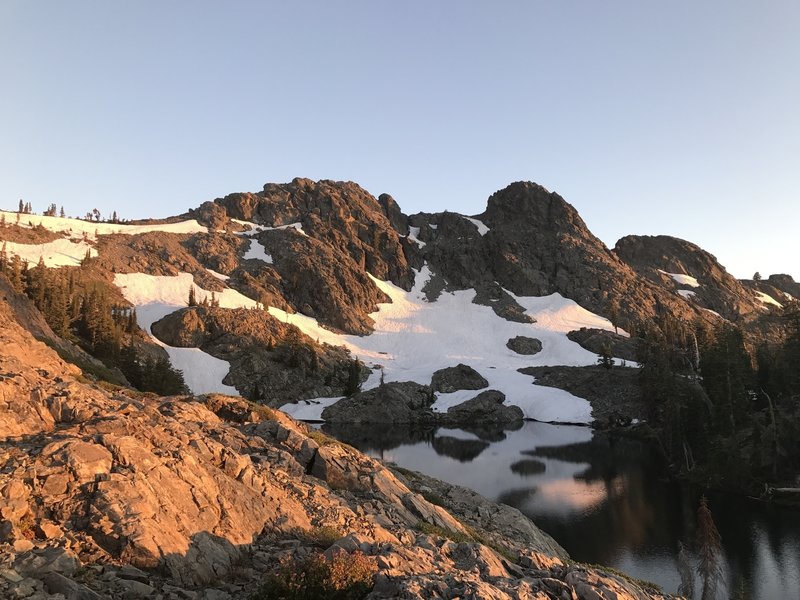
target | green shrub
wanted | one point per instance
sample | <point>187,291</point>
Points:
<point>325,536</point>
<point>344,577</point>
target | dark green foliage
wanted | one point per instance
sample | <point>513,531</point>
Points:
<point>709,551</point>
<point>353,385</point>
<point>78,308</point>
<point>728,378</point>
<point>342,577</point>
<point>192,297</point>
<point>605,359</point>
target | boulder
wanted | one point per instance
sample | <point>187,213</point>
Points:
<point>460,377</point>
<point>487,406</point>
<point>524,345</point>
<point>396,402</point>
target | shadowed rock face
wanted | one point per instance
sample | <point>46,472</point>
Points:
<point>536,245</point>
<point>718,290</point>
<point>271,361</point>
<point>341,214</point>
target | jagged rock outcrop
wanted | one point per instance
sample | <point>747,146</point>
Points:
<point>341,214</point>
<point>655,257</point>
<point>536,244</point>
<point>784,283</point>
<point>596,340</point>
<point>271,361</point>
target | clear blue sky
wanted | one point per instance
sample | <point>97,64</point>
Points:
<point>678,117</point>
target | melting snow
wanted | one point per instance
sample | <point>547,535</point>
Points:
<point>482,229</point>
<point>58,253</point>
<point>219,276</point>
<point>77,228</point>
<point>682,279</point>
<point>258,252</point>
<point>413,338</point>
<point>413,235</point>
<point>686,293</point>
<point>767,299</point>
<point>157,296</point>
<point>258,228</point>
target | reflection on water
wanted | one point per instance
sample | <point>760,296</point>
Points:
<point>605,499</point>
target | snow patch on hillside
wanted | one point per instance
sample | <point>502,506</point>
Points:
<point>413,235</point>
<point>259,228</point>
<point>219,276</point>
<point>682,279</point>
<point>256,251</point>
<point>157,296</point>
<point>686,293</point>
<point>414,338</point>
<point>58,253</point>
<point>78,228</point>
<point>767,299</point>
<point>482,229</point>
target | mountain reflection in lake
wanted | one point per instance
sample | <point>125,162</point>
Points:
<point>605,499</point>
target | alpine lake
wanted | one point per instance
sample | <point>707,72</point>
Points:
<point>606,499</point>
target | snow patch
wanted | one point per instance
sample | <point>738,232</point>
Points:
<point>78,228</point>
<point>414,338</point>
<point>219,276</point>
<point>682,279</point>
<point>686,293</point>
<point>256,251</point>
<point>157,296</point>
<point>767,299</point>
<point>413,235</point>
<point>482,229</point>
<point>309,410</point>
<point>58,253</point>
<point>259,228</point>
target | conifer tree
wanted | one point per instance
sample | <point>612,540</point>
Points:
<point>709,550</point>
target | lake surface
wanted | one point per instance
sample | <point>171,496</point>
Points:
<point>606,499</point>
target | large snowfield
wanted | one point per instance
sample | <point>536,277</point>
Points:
<point>412,339</point>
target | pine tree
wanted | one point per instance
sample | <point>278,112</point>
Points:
<point>61,213</point>
<point>605,359</point>
<point>709,551</point>
<point>192,298</point>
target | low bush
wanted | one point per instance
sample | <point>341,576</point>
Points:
<point>343,577</point>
